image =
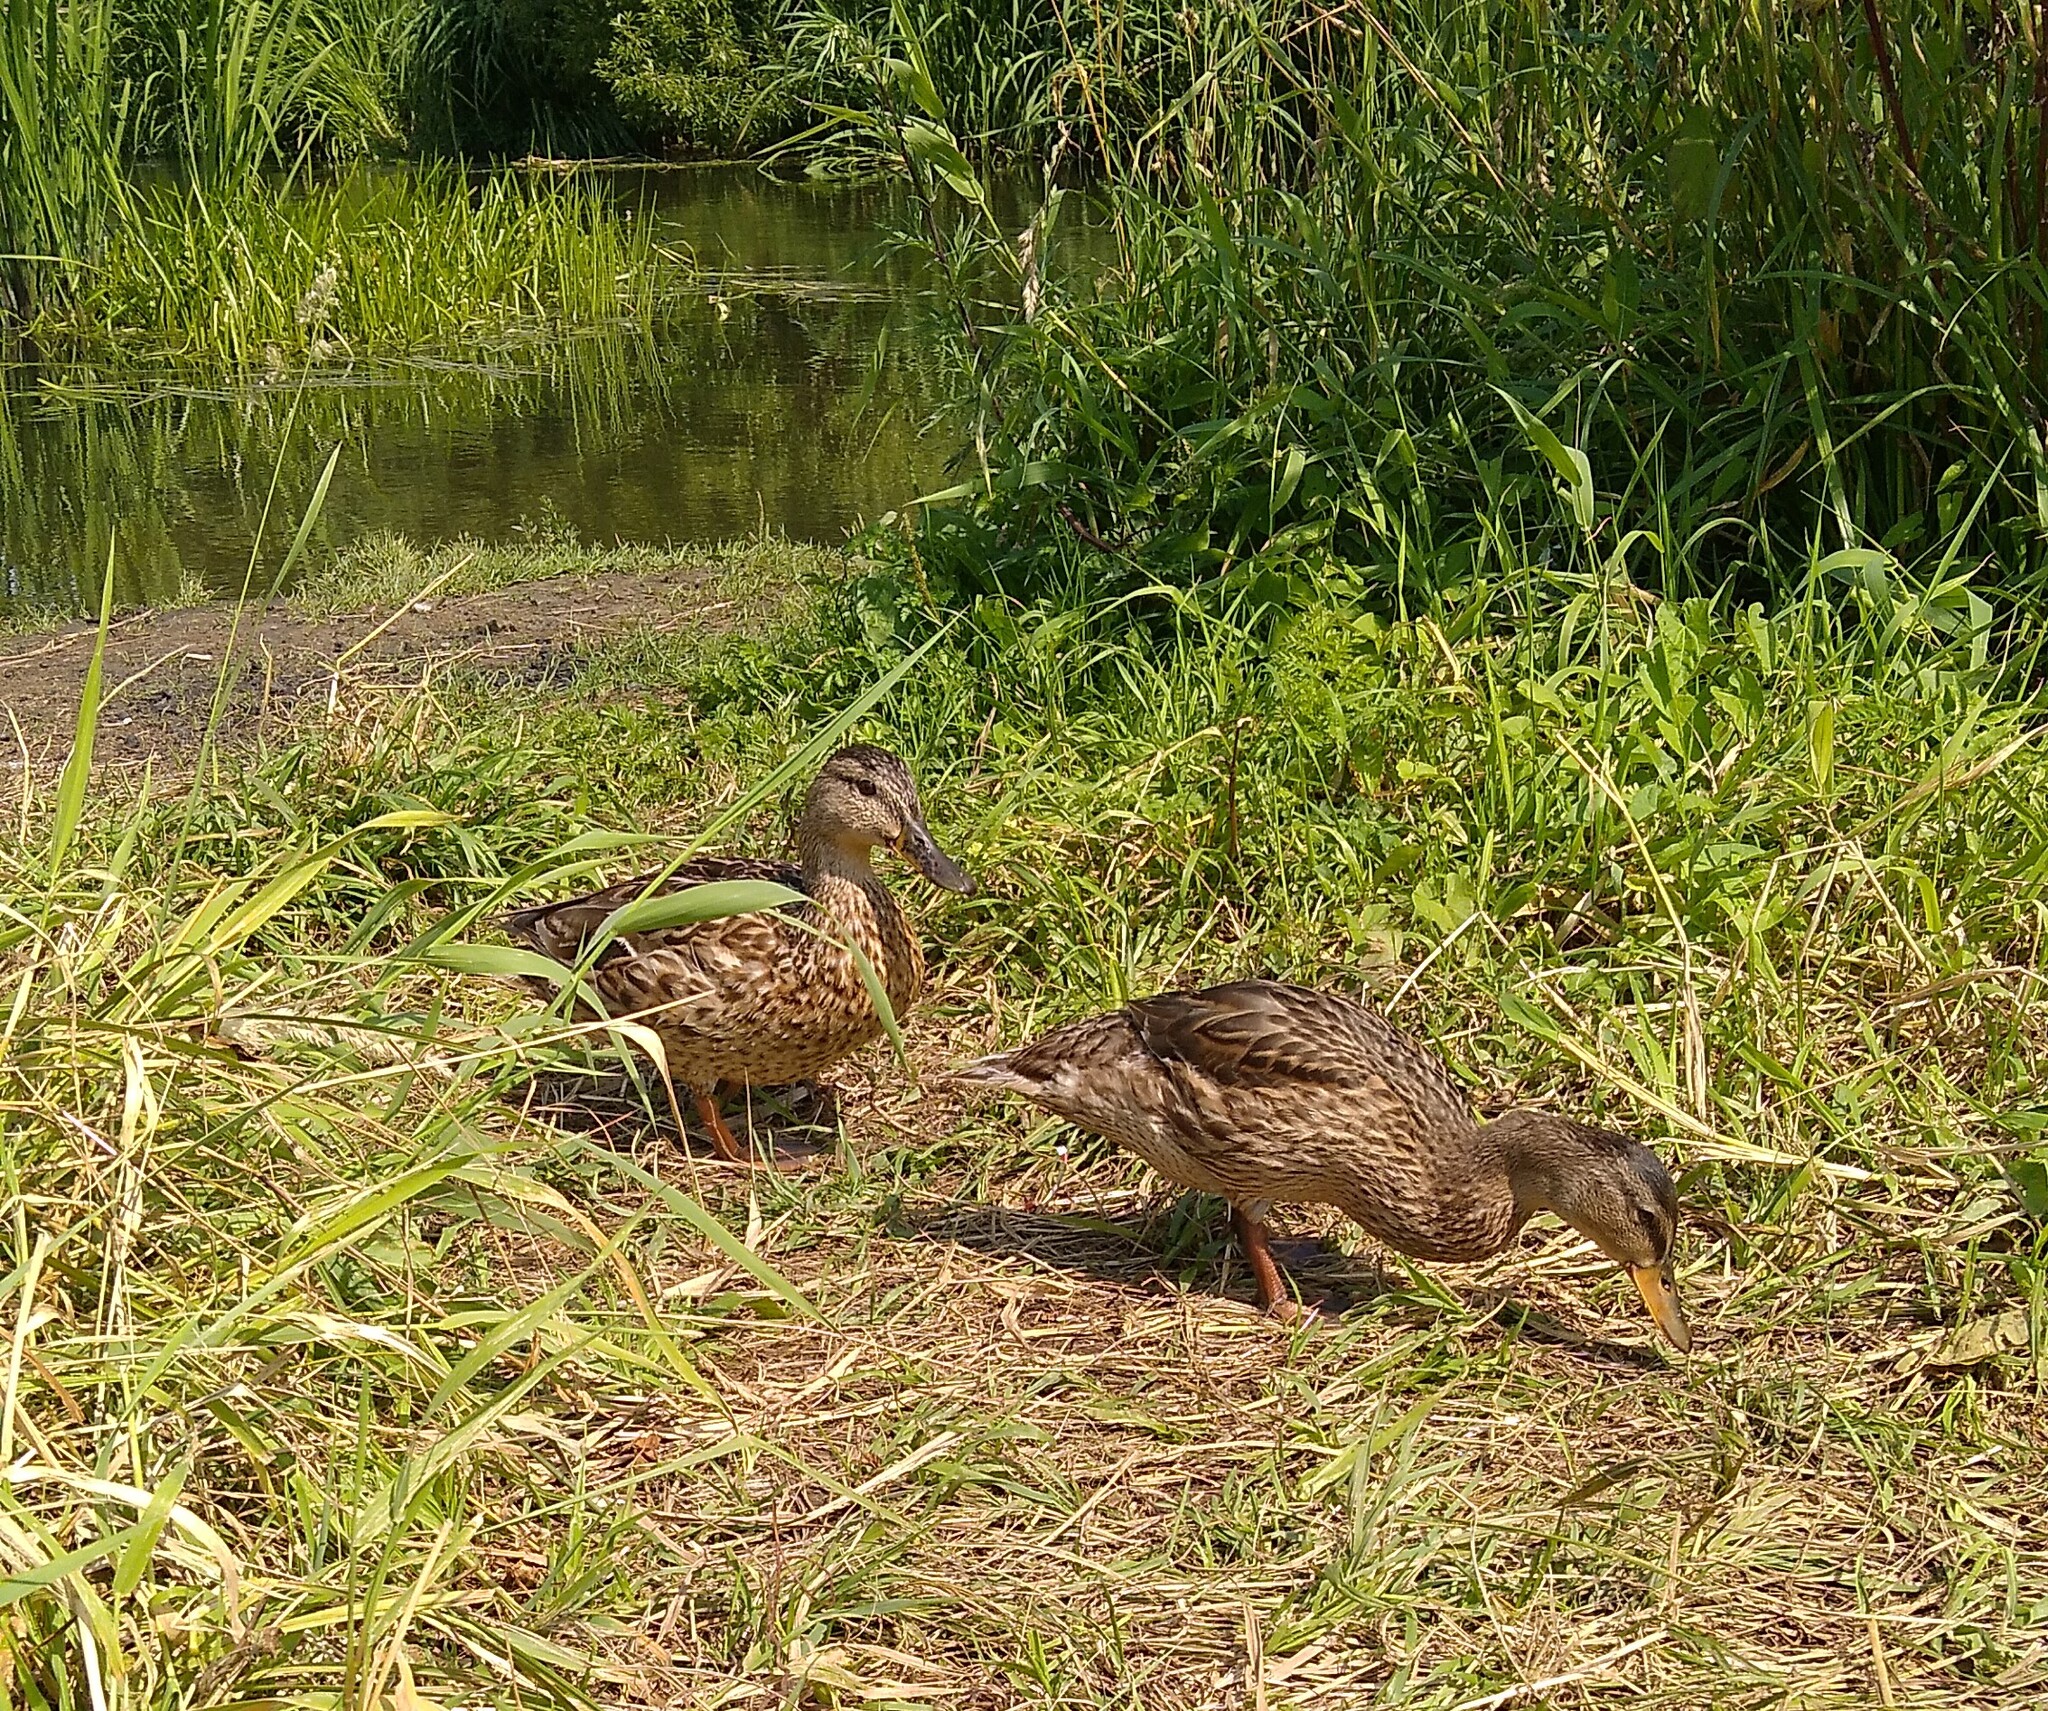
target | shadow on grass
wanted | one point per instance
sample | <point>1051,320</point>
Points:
<point>791,1125</point>
<point>1183,1250</point>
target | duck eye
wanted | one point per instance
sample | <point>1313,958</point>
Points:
<point>866,786</point>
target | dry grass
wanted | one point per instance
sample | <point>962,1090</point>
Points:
<point>1043,1449</point>
<point>967,1409</point>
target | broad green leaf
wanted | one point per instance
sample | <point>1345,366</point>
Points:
<point>416,1474</point>
<point>275,895</point>
<point>935,148</point>
<point>1573,467</point>
<point>1370,1444</point>
<point>913,71</point>
<point>43,1575</point>
<point>878,995</point>
<point>508,1333</point>
<point>190,1536</point>
<point>1526,1015</point>
<point>509,960</point>
<point>135,1559</point>
<point>1866,568</point>
<point>296,873</point>
<point>203,919</point>
<point>1820,744</point>
<point>1693,162</point>
<point>400,819</point>
<point>328,1231</point>
<point>310,516</point>
<point>1290,476</point>
<point>124,852</point>
<point>517,1187</point>
<point>945,495</point>
<point>710,902</point>
<point>916,82</point>
<point>2029,1179</point>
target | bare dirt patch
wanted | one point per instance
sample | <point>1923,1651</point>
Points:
<point>163,670</point>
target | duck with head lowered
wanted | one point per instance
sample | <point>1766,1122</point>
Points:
<point>774,997</point>
<point>1261,1092</point>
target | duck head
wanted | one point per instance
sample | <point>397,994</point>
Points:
<point>863,797</point>
<point>1610,1188</point>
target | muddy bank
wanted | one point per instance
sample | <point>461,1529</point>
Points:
<point>164,669</point>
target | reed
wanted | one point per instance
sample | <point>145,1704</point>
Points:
<point>372,264</point>
<point>1787,272</point>
<point>63,135</point>
<point>165,188</point>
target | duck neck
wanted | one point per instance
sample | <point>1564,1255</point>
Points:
<point>827,859</point>
<point>1535,1149</point>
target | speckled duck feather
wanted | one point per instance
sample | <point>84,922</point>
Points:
<point>766,998</point>
<point>1262,1092</point>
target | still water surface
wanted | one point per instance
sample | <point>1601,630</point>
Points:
<point>789,395</point>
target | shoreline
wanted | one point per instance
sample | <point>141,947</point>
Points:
<point>516,612</point>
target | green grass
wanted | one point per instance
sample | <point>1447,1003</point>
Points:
<point>1765,888</point>
<point>166,191</point>
<point>1677,763</point>
<point>1781,277</point>
<point>372,265</point>
<point>384,570</point>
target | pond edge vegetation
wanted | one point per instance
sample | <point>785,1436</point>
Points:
<point>1634,682</point>
<point>1568,837</point>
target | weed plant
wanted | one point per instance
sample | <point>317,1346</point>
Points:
<point>333,1366</point>
<point>1784,281</point>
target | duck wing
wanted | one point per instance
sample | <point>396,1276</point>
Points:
<point>1276,1092</point>
<point>561,930</point>
<point>1260,1091</point>
<point>702,980</point>
<point>1263,1036</point>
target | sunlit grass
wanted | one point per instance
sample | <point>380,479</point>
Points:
<point>381,571</point>
<point>1766,889</point>
<point>159,197</point>
<point>383,264</point>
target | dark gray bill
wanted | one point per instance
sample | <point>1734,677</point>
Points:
<point>931,861</point>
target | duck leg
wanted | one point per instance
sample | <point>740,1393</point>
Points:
<point>713,1119</point>
<point>1272,1287</point>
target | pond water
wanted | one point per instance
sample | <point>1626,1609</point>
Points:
<point>791,395</point>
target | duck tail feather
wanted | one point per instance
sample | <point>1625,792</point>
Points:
<point>522,923</point>
<point>996,1071</point>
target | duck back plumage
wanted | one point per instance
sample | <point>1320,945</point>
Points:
<point>1261,1091</point>
<point>764,998</point>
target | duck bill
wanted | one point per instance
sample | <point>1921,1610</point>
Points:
<point>917,848</point>
<point>1662,1300</point>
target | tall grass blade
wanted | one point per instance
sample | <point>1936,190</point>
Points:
<point>76,779</point>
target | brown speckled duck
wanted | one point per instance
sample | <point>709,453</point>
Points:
<point>1258,1092</point>
<point>770,998</point>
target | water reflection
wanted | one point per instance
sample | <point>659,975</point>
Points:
<point>790,396</point>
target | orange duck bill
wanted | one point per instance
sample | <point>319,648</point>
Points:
<point>1653,1283</point>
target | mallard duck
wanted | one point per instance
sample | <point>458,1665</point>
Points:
<point>1258,1092</point>
<point>775,997</point>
